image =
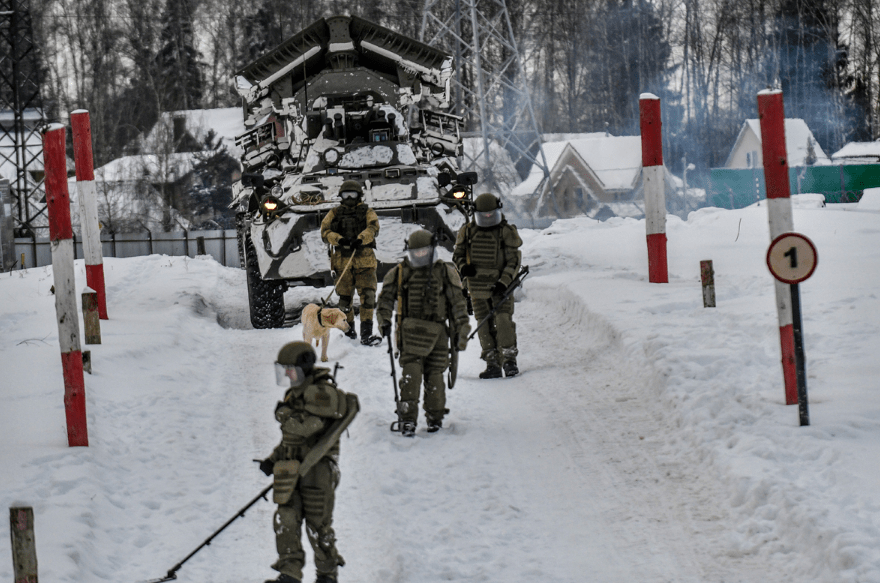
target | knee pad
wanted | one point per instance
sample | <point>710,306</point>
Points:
<point>345,303</point>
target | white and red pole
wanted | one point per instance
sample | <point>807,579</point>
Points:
<point>772,115</point>
<point>654,183</point>
<point>88,206</point>
<point>61,240</point>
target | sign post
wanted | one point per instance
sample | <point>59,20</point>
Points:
<point>792,258</point>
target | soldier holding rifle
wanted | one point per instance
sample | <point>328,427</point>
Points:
<point>487,254</point>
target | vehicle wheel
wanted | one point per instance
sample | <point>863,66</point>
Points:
<point>266,298</point>
<point>240,229</point>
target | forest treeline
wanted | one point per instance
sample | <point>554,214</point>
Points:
<point>585,61</point>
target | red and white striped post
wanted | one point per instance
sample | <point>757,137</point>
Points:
<point>654,182</point>
<point>61,239</point>
<point>772,115</point>
<point>88,206</point>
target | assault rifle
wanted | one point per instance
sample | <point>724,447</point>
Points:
<point>517,281</point>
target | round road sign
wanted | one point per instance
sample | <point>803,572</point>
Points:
<point>792,258</point>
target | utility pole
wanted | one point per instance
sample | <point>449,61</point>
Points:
<point>21,115</point>
<point>492,97</point>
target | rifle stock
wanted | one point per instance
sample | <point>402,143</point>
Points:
<point>517,281</point>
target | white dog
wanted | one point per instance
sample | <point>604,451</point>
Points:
<point>317,323</point>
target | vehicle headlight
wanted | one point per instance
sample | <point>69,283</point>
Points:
<point>270,204</point>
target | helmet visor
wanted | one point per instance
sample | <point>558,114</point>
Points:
<point>288,375</point>
<point>346,194</point>
<point>487,218</point>
<point>422,256</point>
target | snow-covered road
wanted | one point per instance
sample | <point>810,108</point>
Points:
<point>645,440</point>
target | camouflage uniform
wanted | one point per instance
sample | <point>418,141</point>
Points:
<point>432,311</point>
<point>355,222</point>
<point>306,414</point>
<point>492,255</point>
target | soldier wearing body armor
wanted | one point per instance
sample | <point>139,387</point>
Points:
<point>351,228</point>
<point>488,257</point>
<point>431,312</point>
<point>310,417</point>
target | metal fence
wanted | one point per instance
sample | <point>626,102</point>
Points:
<point>839,183</point>
<point>222,245</point>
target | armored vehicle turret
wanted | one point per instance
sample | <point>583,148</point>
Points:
<point>345,99</point>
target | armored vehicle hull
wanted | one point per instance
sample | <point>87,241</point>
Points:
<point>345,99</point>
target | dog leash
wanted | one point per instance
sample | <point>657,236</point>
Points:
<point>338,279</point>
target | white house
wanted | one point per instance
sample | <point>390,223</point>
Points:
<point>801,146</point>
<point>858,153</point>
<point>598,175</point>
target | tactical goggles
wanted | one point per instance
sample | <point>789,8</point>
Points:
<point>349,194</point>
<point>289,375</point>
<point>422,256</point>
<point>487,218</point>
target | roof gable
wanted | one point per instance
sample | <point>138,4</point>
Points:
<point>797,137</point>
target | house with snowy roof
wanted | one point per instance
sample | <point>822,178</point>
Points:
<point>858,153</point>
<point>598,175</point>
<point>132,190</point>
<point>800,145</point>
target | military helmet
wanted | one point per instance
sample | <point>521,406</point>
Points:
<point>487,210</point>
<point>351,186</point>
<point>295,362</point>
<point>487,202</point>
<point>421,248</point>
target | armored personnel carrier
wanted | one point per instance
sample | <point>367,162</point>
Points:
<point>345,99</point>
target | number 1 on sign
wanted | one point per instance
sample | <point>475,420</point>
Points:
<point>792,255</point>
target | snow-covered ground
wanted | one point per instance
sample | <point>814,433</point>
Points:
<point>647,439</point>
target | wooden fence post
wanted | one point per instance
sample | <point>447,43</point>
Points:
<point>91,318</point>
<point>200,246</point>
<point>88,205</point>
<point>24,550</point>
<point>771,112</point>
<point>654,180</point>
<point>707,277</point>
<point>61,239</point>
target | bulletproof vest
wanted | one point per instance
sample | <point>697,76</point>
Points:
<point>486,247</point>
<point>305,413</point>
<point>350,222</point>
<point>423,292</point>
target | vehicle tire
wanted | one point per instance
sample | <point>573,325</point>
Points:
<point>265,298</point>
<point>240,230</point>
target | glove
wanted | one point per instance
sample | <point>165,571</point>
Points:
<point>356,243</point>
<point>498,289</point>
<point>266,466</point>
<point>344,242</point>
<point>386,329</point>
<point>461,339</point>
<point>468,271</point>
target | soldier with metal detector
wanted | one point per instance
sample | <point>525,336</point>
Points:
<point>487,255</point>
<point>352,228</point>
<point>313,415</point>
<point>431,312</point>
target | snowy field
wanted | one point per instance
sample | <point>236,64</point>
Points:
<point>646,440</point>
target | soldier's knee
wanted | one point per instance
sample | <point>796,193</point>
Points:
<point>345,302</point>
<point>287,518</point>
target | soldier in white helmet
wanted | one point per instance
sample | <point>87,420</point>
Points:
<point>487,255</point>
<point>431,312</point>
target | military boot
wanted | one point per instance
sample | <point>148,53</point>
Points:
<point>493,371</point>
<point>367,338</point>
<point>325,579</point>
<point>351,332</point>
<point>510,368</point>
<point>407,429</point>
